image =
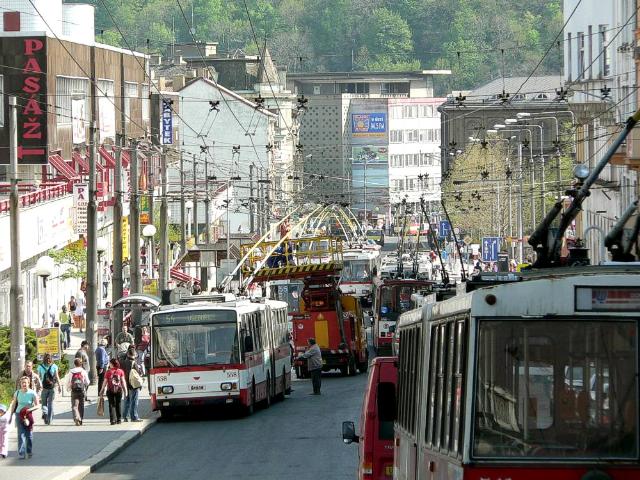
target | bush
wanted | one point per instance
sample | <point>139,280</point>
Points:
<point>7,387</point>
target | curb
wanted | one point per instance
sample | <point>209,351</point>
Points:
<point>96,461</point>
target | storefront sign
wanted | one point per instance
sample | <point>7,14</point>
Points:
<point>78,116</point>
<point>80,204</point>
<point>48,341</point>
<point>25,76</point>
<point>166,122</point>
<point>125,237</point>
<point>103,322</point>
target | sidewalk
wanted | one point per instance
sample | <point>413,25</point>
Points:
<point>63,451</point>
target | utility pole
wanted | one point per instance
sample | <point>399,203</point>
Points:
<point>183,213</point>
<point>134,222</point>
<point>117,281</point>
<point>195,201</point>
<point>92,255</point>
<point>207,201</point>
<point>533,200</point>
<point>16,295</point>
<point>252,220</point>
<point>520,228</point>
<point>163,267</point>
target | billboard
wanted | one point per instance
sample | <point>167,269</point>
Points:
<point>24,73</point>
<point>369,124</point>
<point>370,168</point>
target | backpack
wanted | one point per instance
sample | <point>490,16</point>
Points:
<point>48,380</point>
<point>115,383</point>
<point>135,379</point>
<point>77,382</point>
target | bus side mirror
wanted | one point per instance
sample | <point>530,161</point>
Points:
<point>349,433</point>
<point>248,344</point>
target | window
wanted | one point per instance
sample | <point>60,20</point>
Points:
<point>539,396</point>
<point>426,111</point>
<point>590,57</point>
<point>395,111</point>
<point>130,93</point>
<point>411,136</point>
<point>605,59</point>
<point>11,21</point>
<point>396,160</point>
<point>580,55</point>
<point>394,88</point>
<point>410,111</point>
<point>354,88</point>
<point>569,58</point>
<point>540,97</point>
<point>426,159</point>
<point>68,88</point>
<point>146,102</point>
<point>396,136</point>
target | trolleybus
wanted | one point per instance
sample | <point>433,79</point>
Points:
<point>228,353</point>
<point>359,269</point>
<point>536,379</point>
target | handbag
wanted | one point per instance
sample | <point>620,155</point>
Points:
<point>135,379</point>
<point>100,409</point>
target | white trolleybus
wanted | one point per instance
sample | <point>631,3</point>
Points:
<point>535,379</point>
<point>359,269</point>
<point>222,352</point>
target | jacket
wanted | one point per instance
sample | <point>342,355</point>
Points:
<point>102,357</point>
<point>314,357</point>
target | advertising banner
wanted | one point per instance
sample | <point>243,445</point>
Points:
<point>78,116</point>
<point>107,116</point>
<point>368,124</point>
<point>24,74</point>
<point>103,322</point>
<point>48,341</point>
<point>80,204</point>
<point>125,237</point>
<point>166,122</point>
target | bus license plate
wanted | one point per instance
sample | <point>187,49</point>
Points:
<point>196,387</point>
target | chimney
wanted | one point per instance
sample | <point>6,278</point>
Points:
<point>155,59</point>
<point>178,82</point>
<point>178,60</point>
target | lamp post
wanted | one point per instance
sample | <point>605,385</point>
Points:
<point>189,206</point>
<point>101,247</point>
<point>44,269</point>
<point>148,233</point>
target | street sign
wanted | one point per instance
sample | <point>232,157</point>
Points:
<point>80,204</point>
<point>467,240</point>
<point>445,229</point>
<point>490,249</point>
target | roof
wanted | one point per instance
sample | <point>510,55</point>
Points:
<point>369,76</point>
<point>226,91</point>
<point>530,87</point>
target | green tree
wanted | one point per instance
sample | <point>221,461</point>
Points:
<point>72,259</point>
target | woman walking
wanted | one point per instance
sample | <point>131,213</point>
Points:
<point>50,379</point>
<point>116,387</point>
<point>25,401</point>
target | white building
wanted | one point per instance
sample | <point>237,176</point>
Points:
<point>600,72</point>
<point>230,134</point>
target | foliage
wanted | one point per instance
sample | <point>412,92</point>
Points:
<point>478,39</point>
<point>73,259</point>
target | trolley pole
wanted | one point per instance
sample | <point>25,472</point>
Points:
<point>16,295</point>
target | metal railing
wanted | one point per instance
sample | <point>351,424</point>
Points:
<point>42,194</point>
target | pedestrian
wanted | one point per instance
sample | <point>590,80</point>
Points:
<point>126,274</point>
<point>106,279</point>
<point>65,326</point>
<point>77,383</point>
<point>24,403</point>
<point>124,337</point>
<point>5,421</point>
<point>48,372</point>
<point>34,380</point>
<point>72,305</point>
<point>133,377</point>
<point>115,387</point>
<point>83,354</point>
<point>314,364</point>
<point>102,361</point>
<point>142,348</point>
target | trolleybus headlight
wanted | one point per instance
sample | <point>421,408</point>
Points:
<point>166,390</point>
<point>226,386</point>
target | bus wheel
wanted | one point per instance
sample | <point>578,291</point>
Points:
<point>344,371</point>
<point>288,390</point>
<point>166,414</point>
<point>267,400</point>
<point>283,386</point>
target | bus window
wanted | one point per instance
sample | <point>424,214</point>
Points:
<point>386,401</point>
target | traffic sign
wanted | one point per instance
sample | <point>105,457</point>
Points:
<point>467,240</point>
<point>490,249</point>
<point>445,229</point>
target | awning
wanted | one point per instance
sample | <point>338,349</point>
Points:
<point>140,299</point>
<point>81,161</point>
<point>180,276</point>
<point>62,167</point>
<point>109,161</point>
<point>126,158</point>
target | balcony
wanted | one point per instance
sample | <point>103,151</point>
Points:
<point>45,193</point>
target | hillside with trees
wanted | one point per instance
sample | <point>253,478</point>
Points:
<point>477,39</point>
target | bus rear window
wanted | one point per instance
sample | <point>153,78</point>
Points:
<point>386,400</point>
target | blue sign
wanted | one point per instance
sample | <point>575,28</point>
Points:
<point>444,229</point>
<point>490,249</point>
<point>167,122</point>
<point>368,124</point>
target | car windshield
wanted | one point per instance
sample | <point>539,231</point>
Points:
<point>183,339</point>
<point>556,390</point>
<point>356,271</point>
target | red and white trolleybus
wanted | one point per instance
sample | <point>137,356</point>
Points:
<point>228,353</point>
<point>536,379</point>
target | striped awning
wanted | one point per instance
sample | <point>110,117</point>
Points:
<point>180,276</point>
<point>81,161</point>
<point>109,161</point>
<point>62,167</point>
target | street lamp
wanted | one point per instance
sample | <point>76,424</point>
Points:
<point>189,206</point>
<point>148,232</point>
<point>44,269</point>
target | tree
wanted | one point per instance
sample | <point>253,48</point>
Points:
<point>72,259</point>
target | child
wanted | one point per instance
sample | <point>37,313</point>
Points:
<point>5,421</point>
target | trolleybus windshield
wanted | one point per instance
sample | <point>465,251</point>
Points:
<point>561,389</point>
<point>195,338</point>
<point>356,271</point>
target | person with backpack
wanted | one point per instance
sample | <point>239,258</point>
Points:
<point>102,361</point>
<point>84,356</point>
<point>78,381</point>
<point>115,387</point>
<point>48,372</point>
<point>134,380</point>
